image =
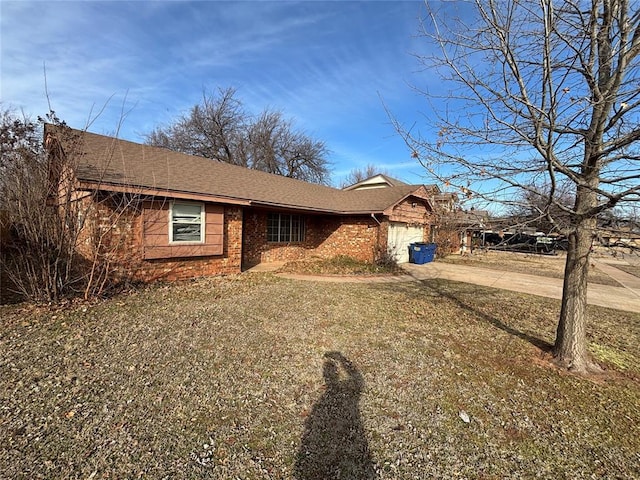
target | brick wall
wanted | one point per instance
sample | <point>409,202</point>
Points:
<point>245,241</point>
<point>383,240</point>
<point>108,230</point>
<point>355,236</point>
<point>188,267</point>
<point>125,235</point>
<point>413,211</point>
<point>326,236</point>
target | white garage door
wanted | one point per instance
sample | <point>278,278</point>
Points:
<point>400,236</point>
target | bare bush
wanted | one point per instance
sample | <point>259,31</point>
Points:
<point>61,242</point>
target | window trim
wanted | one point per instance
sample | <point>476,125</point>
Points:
<point>301,228</point>
<point>203,215</point>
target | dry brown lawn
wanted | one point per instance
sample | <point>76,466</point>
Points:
<point>255,376</point>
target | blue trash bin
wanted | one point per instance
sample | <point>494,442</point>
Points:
<point>421,253</point>
<point>430,251</point>
<point>411,252</point>
<point>418,253</point>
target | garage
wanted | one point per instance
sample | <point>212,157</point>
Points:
<point>400,236</point>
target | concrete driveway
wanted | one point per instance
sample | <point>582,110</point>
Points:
<point>626,297</point>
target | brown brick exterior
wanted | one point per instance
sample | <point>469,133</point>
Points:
<point>412,210</point>
<point>108,233</point>
<point>326,236</point>
<point>355,236</point>
<point>124,245</point>
<point>245,240</point>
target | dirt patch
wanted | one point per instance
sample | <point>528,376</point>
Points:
<point>248,376</point>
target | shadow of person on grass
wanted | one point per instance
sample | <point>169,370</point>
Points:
<point>334,444</point>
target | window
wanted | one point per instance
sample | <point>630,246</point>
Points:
<point>285,228</point>
<point>186,222</point>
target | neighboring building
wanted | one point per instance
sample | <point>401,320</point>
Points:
<point>376,181</point>
<point>181,216</point>
<point>469,224</point>
<point>456,229</point>
<point>619,237</point>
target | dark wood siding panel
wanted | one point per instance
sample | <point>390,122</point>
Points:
<point>181,251</point>
<point>155,218</point>
<point>214,227</point>
<point>156,233</point>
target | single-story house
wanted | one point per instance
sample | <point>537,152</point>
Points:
<point>182,216</point>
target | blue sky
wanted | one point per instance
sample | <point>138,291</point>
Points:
<point>326,65</point>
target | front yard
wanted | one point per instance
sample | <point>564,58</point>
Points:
<point>255,376</point>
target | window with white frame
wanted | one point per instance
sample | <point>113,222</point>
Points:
<point>283,227</point>
<point>186,222</point>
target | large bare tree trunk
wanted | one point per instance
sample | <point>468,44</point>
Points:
<point>570,349</point>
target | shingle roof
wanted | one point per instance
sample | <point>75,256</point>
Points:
<point>110,161</point>
<point>470,218</point>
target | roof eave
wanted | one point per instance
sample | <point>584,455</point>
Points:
<point>141,190</point>
<point>286,206</point>
<point>305,208</point>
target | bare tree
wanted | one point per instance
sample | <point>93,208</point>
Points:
<point>213,129</point>
<point>551,90</point>
<point>220,128</point>
<point>534,208</point>
<point>272,145</point>
<point>37,257</point>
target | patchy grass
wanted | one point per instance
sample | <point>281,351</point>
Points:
<point>543,265</point>
<point>255,376</point>
<point>339,265</point>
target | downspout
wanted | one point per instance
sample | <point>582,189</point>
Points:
<point>377,250</point>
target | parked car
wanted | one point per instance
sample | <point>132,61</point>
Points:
<point>522,242</point>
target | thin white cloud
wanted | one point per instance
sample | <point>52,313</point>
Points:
<point>322,63</point>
